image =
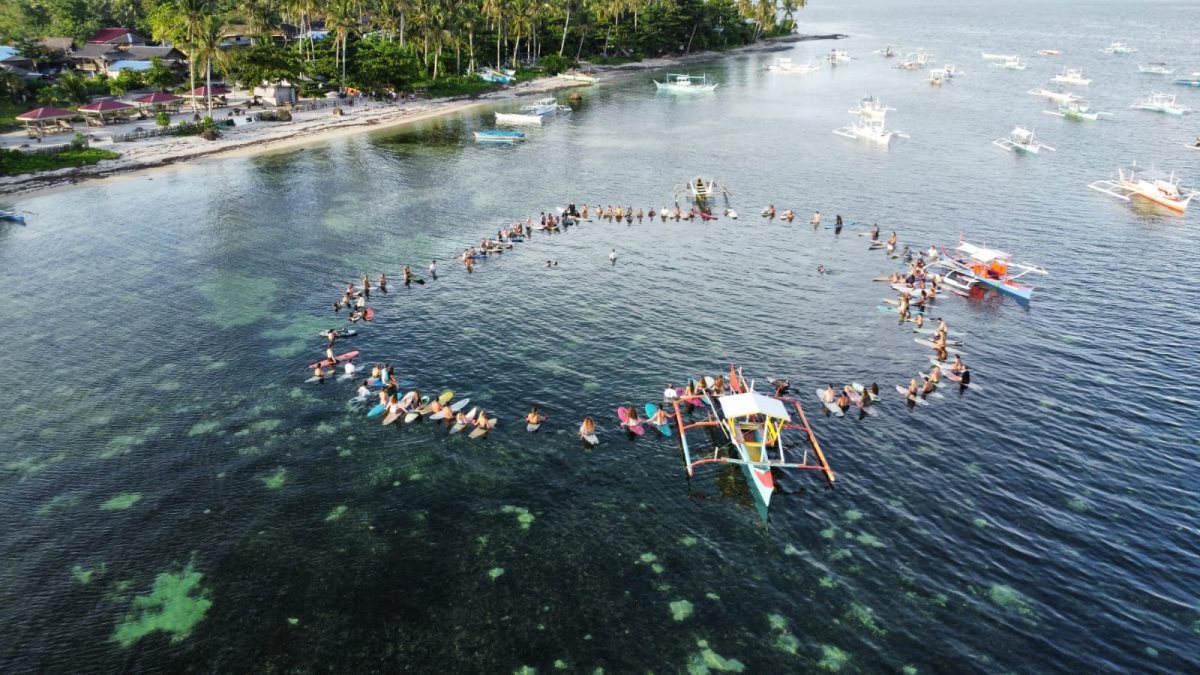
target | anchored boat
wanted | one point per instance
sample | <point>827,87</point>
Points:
<point>1119,48</point>
<point>499,136</point>
<point>998,57</point>
<point>1013,63</point>
<point>495,76</point>
<point>1072,76</point>
<point>1021,140</point>
<point>836,56</point>
<point>785,65</point>
<point>991,267</point>
<point>1161,103</point>
<point>1077,110</point>
<point>747,429</point>
<point>700,190</point>
<point>1049,52</point>
<point>869,125</point>
<point>1059,96</point>
<point>686,84</point>
<point>544,106</point>
<point>1161,189</point>
<point>1156,68</point>
<point>12,217</point>
<point>515,119</point>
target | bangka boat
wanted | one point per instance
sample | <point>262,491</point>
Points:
<point>499,136</point>
<point>1009,64</point>
<point>1161,103</point>
<point>1021,140</point>
<point>688,84</point>
<point>1156,68</point>
<point>518,119</point>
<point>869,125</point>
<point>1162,189</point>
<point>1077,110</point>
<point>997,57</point>
<point>579,77</point>
<point>747,429</point>
<point>1119,48</point>
<point>836,56</point>
<point>495,76</point>
<point>991,267</point>
<point>1072,76</point>
<point>1049,52</point>
<point>700,190</point>
<point>12,217</point>
<point>1193,81</point>
<point>544,106</point>
<point>1059,96</point>
<point>785,65</point>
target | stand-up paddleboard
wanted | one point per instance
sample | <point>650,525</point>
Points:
<point>340,333</point>
<point>915,399</point>
<point>413,414</point>
<point>377,410</point>
<point>929,343</point>
<point>337,359</point>
<point>450,411</point>
<point>651,411</point>
<point>623,414</point>
<point>830,405</point>
<point>482,431</point>
<point>459,426</point>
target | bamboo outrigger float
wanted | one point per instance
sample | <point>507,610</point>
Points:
<point>752,426</point>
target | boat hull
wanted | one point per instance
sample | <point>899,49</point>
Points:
<point>762,484</point>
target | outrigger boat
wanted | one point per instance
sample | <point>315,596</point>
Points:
<point>1119,48</point>
<point>12,217</point>
<point>680,83</point>
<point>751,428</point>
<point>1072,76</point>
<point>990,267</point>
<point>1077,110</point>
<point>869,125</point>
<point>997,57</point>
<point>495,77</point>
<point>1022,140</point>
<point>1049,52</point>
<point>785,65</point>
<point>1193,81</point>
<point>1163,190</point>
<point>1156,68</point>
<point>700,191</point>
<point>1161,103</point>
<point>837,56</point>
<point>545,106</point>
<point>1059,96</point>
<point>1010,64</point>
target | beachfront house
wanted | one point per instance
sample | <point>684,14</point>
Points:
<point>110,60</point>
<point>281,93</point>
<point>239,35</point>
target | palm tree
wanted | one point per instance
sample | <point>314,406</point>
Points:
<point>343,18</point>
<point>207,50</point>
<point>191,14</point>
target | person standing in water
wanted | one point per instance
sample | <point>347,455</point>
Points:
<point>366,286</point>
<point>816,219</point>
<point>382,283</point>
<point>407,275</point>
<point>612,257</point>
<point>433,269</point>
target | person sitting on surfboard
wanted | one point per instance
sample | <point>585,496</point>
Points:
<point>659,418</point>
<point>892,240</point>
<point>919,320</point>
<point>842,401</point>
<point>829,394</point>
<point>935,375</point>
<point>587,428</point>
<point>481,421</point>
<point>318,372</point>
<point>669,393</point>
<point>364,390</point>
<point>533,417</point>
<point>912,389</point>
<point>410,399</point>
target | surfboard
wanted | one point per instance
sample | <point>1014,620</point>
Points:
<point>917,399</point>
<point>392,417</point>
<point>860,389</point>
<point>337,359</point>
<point>651,411</point>
<point>830,406</point>
<point>479,432</point>
<point>623,414</point>
<point>412,415</point>
<point>533,427</point>
<point>377,410</point>
<point>929,343</point>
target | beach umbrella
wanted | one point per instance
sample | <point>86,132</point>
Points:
<point>45,114</point>
<point>203,92</point>
<point>157,98</point>
<point>105,106</point>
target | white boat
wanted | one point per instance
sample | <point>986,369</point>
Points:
<point>544,106</point>
<point>990,267</point>
<point>785,65</point>
<point>498,136</point>
<point>700,190</point>
<point>1049,52</point>
<point>836,56</point>
<point>1077,110</point>
<point>514,119</point>
<point>1059,96</point>
<point>1156,68</point>
<point>681,83</point>
<point>1072,76</point>
<point>1161,189</point>
<point>998,57</point>
<point>869,125</point>
<point>1021,140</point>
<point>1161,103</point>
<point>1119,48</point>
<point>1009,64</point>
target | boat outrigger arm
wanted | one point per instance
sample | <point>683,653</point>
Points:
<point>753,425</point>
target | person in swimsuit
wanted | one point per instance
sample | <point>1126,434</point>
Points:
<point>669,393</point>
<point>875,232</point>
<point>816,219</point>
<point>319,373</point>
<point>828,395</point>
<point>587,428</point>
<point>366,286</point>
<point>364,390</point>
<point>533,417</point>
<point>612,257</point>
<point>659,418</point>
<point>935,375</point>
<point>382,283</point>
<point>912,389</point>
<point>843,401</point>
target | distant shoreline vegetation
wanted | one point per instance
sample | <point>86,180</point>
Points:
<point>379,47</point>
<point>17,162</point>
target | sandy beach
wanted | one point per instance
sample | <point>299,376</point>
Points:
<point>316,126</point>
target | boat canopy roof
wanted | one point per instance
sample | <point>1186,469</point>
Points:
<point>981,254</point>
<point>753,403</point>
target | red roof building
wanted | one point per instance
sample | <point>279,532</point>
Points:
<point>116,36</point>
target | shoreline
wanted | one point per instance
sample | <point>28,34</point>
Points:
<point>145,157</point>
